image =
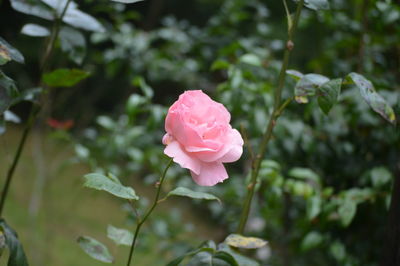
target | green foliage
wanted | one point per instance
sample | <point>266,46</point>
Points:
<point>7,53</point>
<point>95,249</point>
<point>119,236</point>
<point>35,30</point>
<point>64,77</point>
<point>185,192</point>
<point>239,241</point>
<point>329,94</point>
<point>17,255</point>
<point>110,184</point>
<point>377,102</point>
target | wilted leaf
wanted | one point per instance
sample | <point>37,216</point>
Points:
<point>95,249</point>
<point>119,236</point>
<point>328,94</point>
<point>374,100</point>
<point>64,77</point>
<point>17,255</point>
<point>7,52</point>
<point>239,241</point>
<point>307,86</point>
<point>108,184</point>
<point>185,192</point>
<point>35,30</point>
<point>73,42</point>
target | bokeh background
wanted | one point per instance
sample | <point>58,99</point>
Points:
<point>325,182</point>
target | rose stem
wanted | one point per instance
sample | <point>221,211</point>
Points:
<point>277,110</point>
<point>34,109</point>
<point>155,202</point>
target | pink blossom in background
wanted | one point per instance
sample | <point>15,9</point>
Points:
<point>200,138</point>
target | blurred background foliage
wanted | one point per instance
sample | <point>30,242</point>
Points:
<point>326,180</point>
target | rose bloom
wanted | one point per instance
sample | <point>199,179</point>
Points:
<point>200,138</point>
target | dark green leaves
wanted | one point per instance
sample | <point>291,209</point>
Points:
<point>119,236</point>
<point>35,30</point>
<point>109,184</point>
<point>185,192</point>
<point>239,241</point>
<point>8,53</point>
<point>64,77</point>
<point>374,100</point>
<point>95,249</point>
<point>17,255</point>
<point>328,94</point>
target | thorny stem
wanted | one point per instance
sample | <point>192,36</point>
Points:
<point>141,222</point>
<point>277,110</point>
<point>35,109</point>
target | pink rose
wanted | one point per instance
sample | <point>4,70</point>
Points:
<point>200,138</point>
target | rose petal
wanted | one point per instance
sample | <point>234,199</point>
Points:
<point>210,174</point>
<point>175,151</point>
<point>232,149</point>
<point>237,148</point>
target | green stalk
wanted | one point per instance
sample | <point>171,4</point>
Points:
<point>141,222</point>
<point>33,112</point>
<point>277,110</point>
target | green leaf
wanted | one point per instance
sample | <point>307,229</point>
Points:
<point>304,173</point>
<point>225,256</point>
<point>95,249</point>
<point>312,240</point>
<point>35,30</point>
<point>307,86</point>
<point>33,7</point>
<point>317,4</point>
<point>313,206</point>
<point>240,259</point>
<point>127,1</point>
<point>374,100</point>
<point>146,89</point>
<point>239,241</point>
<point>108,184</point>
<point>220,64</point>
<point>82,20</point>
<point>7,53</point>
<point>251,59</point>
<point>8,92</point>
<point>185,192</point>
<point>17,255</point>
<point>119,236</point>
<point>64,77</point>
<point>328,94</point>
<point>295,74</point>
<point>73,42</point>
<point>347,211</point>
<point>380,176</point>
